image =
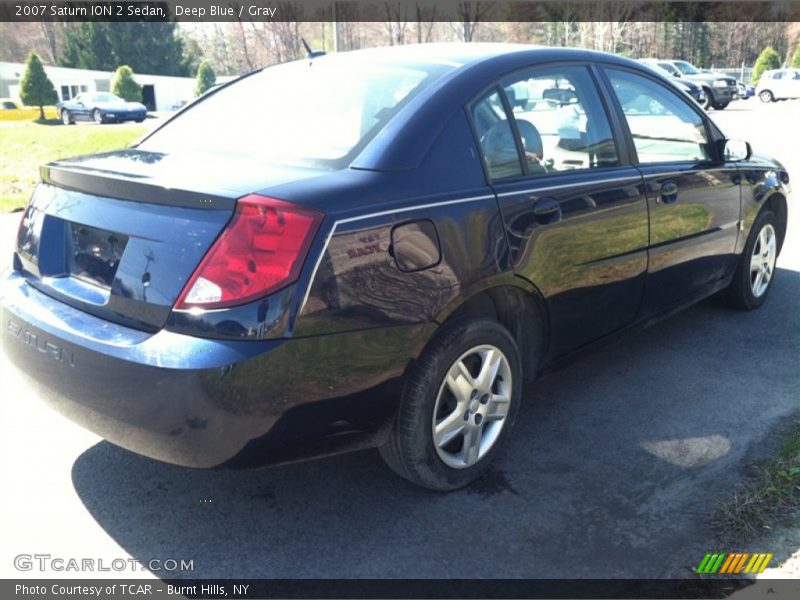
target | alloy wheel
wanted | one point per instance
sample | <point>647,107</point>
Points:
<point>762,261</point>
<point>472,406</point>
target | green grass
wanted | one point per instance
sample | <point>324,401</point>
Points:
<point>24,146</point>
<point>768,497</point>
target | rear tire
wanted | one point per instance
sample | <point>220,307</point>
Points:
<point>66,118</point>
<point>459,404</point>
<point>720,105</point>
<point>756,270</point>
<point>97,116</point>
<point>766,96</point>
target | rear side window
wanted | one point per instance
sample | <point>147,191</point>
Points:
<point>663,125</point>
<point>496,137</point>
<point>561,120</point>
<point>318,113</point>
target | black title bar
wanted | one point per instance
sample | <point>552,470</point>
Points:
<point>230,589</point>
<point>402,10</point>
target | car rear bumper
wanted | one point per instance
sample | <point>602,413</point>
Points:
<point>202,402</point>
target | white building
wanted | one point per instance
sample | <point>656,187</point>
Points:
<point>159,92</point>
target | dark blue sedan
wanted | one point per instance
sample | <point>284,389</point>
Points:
<point>100,107</point>
<point>268,277</point>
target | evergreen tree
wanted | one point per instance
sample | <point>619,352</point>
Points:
<point>36,89</point>
<point>206,78</point>
<point>767,60</point>
<point>125,86</point>
<point>796,59</point>
<point>147,46</point>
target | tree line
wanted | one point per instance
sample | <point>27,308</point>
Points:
<point>235,48</point>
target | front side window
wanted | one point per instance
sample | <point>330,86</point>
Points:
<point>664,127</point>
<point>669,68</point>
<point>561,121</point>
<point>686,68</point>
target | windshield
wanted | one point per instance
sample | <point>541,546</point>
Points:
<point>686,68</point>
<point>316,113</point>
<point>104,98</point>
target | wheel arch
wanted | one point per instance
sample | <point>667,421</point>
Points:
<point>779,207</point>
<point>516,305</point>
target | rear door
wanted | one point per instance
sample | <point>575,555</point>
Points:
<point>693,196</point>
<point>574,211</point>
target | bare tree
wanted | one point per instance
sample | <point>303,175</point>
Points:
<point>426,18</point>
<point>51,33</point>
<point>471,14</point>
<point>396,22</point>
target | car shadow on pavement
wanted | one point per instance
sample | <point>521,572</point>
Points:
<point>615,465</point>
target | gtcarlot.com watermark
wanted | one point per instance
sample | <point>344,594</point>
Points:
<point>47,563</point>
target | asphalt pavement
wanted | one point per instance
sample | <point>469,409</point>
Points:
<point>616,463</point>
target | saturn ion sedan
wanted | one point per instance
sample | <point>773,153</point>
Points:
<point>274,275</point>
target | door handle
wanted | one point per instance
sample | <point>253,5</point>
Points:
<point>547,210</point>
<point>669,192</point>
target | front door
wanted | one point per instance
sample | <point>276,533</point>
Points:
<point>693,197</point>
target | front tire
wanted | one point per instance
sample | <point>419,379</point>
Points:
<point>97,116</point>
<point>756,270</point>
<point>766,96</point>
<point>459,404</point>
<point>66,118</point>
<point>709,99</point>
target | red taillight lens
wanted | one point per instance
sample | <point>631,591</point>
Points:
<point>260,251</point>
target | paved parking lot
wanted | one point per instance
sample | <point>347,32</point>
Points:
<point>616,463</point>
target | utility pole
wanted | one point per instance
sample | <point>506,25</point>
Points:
<point>336,33</point>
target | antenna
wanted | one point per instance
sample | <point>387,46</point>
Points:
<point>309,52</point>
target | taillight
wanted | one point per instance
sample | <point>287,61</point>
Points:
<point>260,251</point>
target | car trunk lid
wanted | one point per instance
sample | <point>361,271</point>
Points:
<point>118,235</point>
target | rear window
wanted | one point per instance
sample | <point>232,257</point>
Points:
<point>317,113</point>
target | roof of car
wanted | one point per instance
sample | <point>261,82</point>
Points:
<point>459,53</point>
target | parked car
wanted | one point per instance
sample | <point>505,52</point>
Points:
<point>780,84</point>
<point>100,107</point>
<point>11,110</point>
<point>385,268</point>
<point>691,88</point>
<point>745,91</point>
<point>720,89</point>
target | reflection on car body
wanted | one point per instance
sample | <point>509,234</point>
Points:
<point>385,269</point>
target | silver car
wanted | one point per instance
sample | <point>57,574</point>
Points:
<point>779,84</point>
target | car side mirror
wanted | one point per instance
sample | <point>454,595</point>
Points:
<point>736,150</point>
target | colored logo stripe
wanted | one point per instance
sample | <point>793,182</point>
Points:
<point>758,563</point>
<point>734,563</point>
<point>711,563</point>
